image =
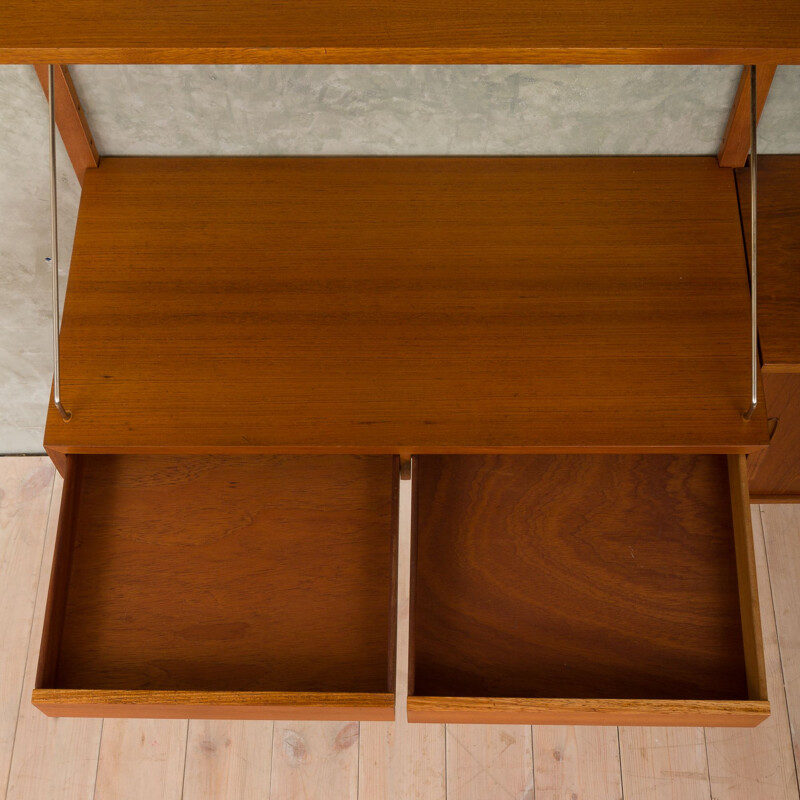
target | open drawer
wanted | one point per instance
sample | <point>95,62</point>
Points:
<point>585,589</point>
<point>216,586</point>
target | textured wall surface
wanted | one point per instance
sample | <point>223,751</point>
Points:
<point>399,109</point>
<point>207,110</point>
<point>779,129</point>
<point>25,305</point>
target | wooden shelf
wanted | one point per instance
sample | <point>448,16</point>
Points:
<point>778,262</point>
<point>584,589</point>
<point>411,31</point>
<point>407,305</point>
<point>232,587</point>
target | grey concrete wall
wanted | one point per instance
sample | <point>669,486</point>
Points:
<point>193,110</point>
<point>25,306</point>
<point>779,129</point>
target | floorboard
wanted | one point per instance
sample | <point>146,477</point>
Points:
<point>664,763</point>
<point>748,763</point>
<point>141,759</point>
<point>228,760</point>
<point>486,761</point>
<point>26,485</point>
<point>576,762</point>
<point>312,760</point>
<point>54,759</point>
<point>782,538</point>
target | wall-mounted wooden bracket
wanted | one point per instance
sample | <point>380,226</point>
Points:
<point>71,121</point>
<point>736,141</point>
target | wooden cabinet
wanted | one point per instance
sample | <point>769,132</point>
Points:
<point>775,472</point>
<point>585,589</point>
<point>249,346</point>
<point>223,586</point>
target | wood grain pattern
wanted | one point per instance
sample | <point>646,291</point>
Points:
<point>36,770</point>
<point>383,32</point>
<point>781,528</point>
<point>778,262</point>
<point>572,711</point>
<point>752,636</point>
<point>195,579</point>
<point>600,577</point>
<point>70,119</point>
<point>25,489</point>
<point>576,762</point>
<point>397,759</point>
<point>775,472</point>
<point>743,764</point>
<point>416,305</point>
<point>735,145</point>
<point>664,763</point>
<point>313,760</point>
<point>226,760</point>
<point>489,761</point>
<point>141,759</point>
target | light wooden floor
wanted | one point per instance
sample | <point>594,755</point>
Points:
<point>48,759</point>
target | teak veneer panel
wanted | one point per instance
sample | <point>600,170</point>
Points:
<point>181,582</point>
<point>407,305</point>
<point>775,472</point>
<point>409,31</point>
<point>570,711</point>
<point>584,589</point>
<point>367,707</point>
<point>778,258</point>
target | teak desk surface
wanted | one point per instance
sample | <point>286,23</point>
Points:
<point>407,305</point>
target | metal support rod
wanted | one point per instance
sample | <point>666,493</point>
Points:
<point>753,245</point>
<point>65,415</point>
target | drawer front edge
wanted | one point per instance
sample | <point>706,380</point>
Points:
<point>215,705</point>
<point>558,711</point>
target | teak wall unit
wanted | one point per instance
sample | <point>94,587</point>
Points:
<point>775,472</point>
<point>254,348</point>
<point>233,456</point>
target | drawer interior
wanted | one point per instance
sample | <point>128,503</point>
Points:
<point>573,577</point>
<point>246,574</point>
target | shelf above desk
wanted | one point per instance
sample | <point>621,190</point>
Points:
<point>407,305</point>
<point>407,32</point>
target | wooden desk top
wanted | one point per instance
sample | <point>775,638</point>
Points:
<point>407,305</point>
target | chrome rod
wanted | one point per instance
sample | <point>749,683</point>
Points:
<point>65,415</point>
<point>753,245</point>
